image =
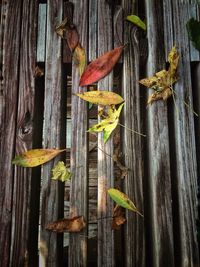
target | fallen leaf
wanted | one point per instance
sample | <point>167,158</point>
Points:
<point>39,72</point>
<point>68,31</point>
<point>122,200</point>
<point>72,37</point>
<point>162,81</point>
<point>102,98</point>
<point>118,217</point>
<point>36,157</point>
<point>79,58</point>
<point>193,29</point>
<point>108,124</point>
<point>101,66</point>
<point>75,224</point>
<point>61,28</point>
<point>60,172</point>
<point>137,21</point>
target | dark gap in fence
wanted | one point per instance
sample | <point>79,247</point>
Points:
<point>36,172</point>
<point>172,111</point>
<point>195,72</point>
<point>42,1</point>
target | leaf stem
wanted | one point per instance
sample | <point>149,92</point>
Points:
<point>131,130</point>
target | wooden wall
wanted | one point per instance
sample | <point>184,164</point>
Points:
<point>43,111</point>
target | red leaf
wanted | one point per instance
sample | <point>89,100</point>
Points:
<point>101,66</point>
<point>72,37</point>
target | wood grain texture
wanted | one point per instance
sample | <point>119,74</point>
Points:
<point>68,12</point>
<point>79,147</point>
<point>53,137</point>
<point>105,162</point>
<point>92,52</point>
<point>133,145</point>
<point>41,35</point>
<point>185,170</point>
<point>22,181</point>
<point>159,213</point>
<point>9,91</point>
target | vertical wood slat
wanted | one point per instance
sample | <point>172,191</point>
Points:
<point>93,10</point>
<point>132,146</point>
<point>68,12</point>
<point>24,139</point>
<point>159,176</point>
<point>10,75</point>
<point>79,148</point>
<point>53,137</point>
<point>105,162</point>
<point>185,186</point>
<point>41,35</point>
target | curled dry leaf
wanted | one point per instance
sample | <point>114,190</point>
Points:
<point>36,157</point>
<point>39,72</point>
<point>72,37</point>
<point>108,124</point>
<point>60,172</point>
<point>118,217</point>
<point>163,80</point>
<point>75,224</point>
<point>123,169</point>
<point>122,200</point>
<point>68,31</point>
<point>102,98</point>
<point>79,57</point>
<point>101,66</point>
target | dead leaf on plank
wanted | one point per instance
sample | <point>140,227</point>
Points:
<point>118,217</point>
<point>75,224</point>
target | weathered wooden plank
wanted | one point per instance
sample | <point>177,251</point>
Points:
<point>53,136</point>
<point>159,214</point>
<point>79,148</point>
<point>68,12</point>
<point>92,52</point>
<point>9,91</point>
<point>105,163</point>
<point>22,188</point>
<point>185,170</point>
<point>41,36</point>
<point>132,145</point>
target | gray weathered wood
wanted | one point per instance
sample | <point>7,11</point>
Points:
<point>105,162</point>
<point>185,171</point>
<point>159,214</point>
<point>41,36</point>
<point>92,52</point>
<point>21,224</point>
<point>53,137</point>
<point>9,91</point>
<point>132,145</point>
<point>79,148</point>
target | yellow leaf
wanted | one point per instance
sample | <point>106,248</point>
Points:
<point>162,81</point>
<point>80,58</point>
<point>102,98</point>
<point>36,157</point>
<point>108,124</point>
<point>122,200</point>
<point>60,172</point>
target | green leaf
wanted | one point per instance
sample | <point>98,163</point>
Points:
<point>137,21</point>
<point>60,172</point>
<point>122,200</point>
<point>193,29</point>
<point>108,124</point>
<point>36,157</point>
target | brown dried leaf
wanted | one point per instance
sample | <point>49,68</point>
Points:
<point>123,169</point>
<point>61,28</point>
<point>118,217</point>
<point>39,72</point>
<point>72,37</point>
<point>75,224</point>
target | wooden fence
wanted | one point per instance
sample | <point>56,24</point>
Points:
<point>163,167</point>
